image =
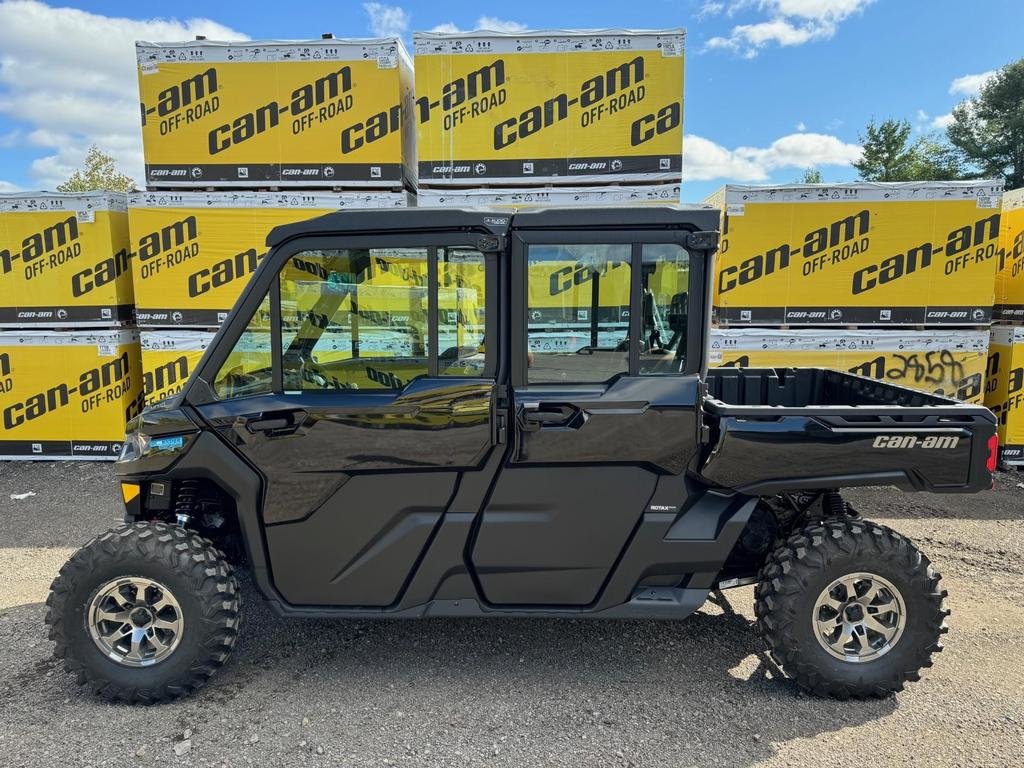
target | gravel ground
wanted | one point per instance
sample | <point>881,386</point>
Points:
<point>519,692</point>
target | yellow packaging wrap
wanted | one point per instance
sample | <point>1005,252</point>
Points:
<point>67,395</point>
<point>866,253</point>
<point>318,113</point>
<point>519,197</point>
<point>195,251</point>
<point>944,362</point>
<point>64,260</point>
<point>168,359</point>
<point>1004,391</point>
<point>1010,277</point>
<point>549,107</point>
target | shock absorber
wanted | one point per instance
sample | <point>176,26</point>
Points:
<point>185,502</point>
<point>832,505</point>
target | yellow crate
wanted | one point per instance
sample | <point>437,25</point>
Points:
<point>549,107</point>
<point>195,251</point>
<point>64,260</point>
<point>1010,275</point>
<point>524,198</point>
<point>67,395</point>
<point>168,358</point>
<point>323,113</point>
<point>865,253</point>
<point>1004,390</point>
<point>944,362</point>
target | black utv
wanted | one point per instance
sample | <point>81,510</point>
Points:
<point>481,413</point>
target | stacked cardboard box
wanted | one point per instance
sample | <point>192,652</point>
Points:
<point>548,109</point>
<point>65,264</point>
<point>804,271</point>
<point>317,113</point>
<point>1004,389</point>
<point>884,254</point>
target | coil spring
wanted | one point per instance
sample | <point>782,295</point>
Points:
<point>185,498</point>
<point>832,505</point>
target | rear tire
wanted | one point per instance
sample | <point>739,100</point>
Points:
<point>848,608</point>
<point>144,613</point>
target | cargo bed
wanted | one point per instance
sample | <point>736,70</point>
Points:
<point>774,429</point>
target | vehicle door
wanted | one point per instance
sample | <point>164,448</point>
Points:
<point>359,379</point>
<point>606,350</point>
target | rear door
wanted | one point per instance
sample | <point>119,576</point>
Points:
<point>363,390</point>
<point>606,353</point>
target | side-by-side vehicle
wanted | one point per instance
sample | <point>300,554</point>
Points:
<point>480,413</point>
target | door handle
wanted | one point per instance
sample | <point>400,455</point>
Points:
<point>536,416</point>
<point>276,423</point>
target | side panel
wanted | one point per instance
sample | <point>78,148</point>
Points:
<point>359,547</point>
<point>433,425</point>
<point>645,420</point>
<point>767,455</point>
<point>550,536</point>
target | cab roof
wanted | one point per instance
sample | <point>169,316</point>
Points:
<point>498,221</point>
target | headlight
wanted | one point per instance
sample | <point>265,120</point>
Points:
<point>135,446</point>
<point>138,444</point>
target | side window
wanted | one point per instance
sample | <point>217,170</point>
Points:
<point>577,312</point>
<point>248,368</point>
<point>666,281</point>
<point>461,312</point>
<point>354,319</point>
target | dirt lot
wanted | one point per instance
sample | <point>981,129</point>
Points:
<point>519,693</point>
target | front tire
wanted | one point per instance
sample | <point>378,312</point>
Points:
<point>848,608</point>
<point>144,613</point>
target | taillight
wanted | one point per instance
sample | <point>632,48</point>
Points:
<point>993,453</point>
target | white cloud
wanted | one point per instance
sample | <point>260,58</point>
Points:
<point>7,187</point>
<point>970,85</point>
<point>387,20</point>
<point>710,8</point>
<point>490,23</point>
<point>499,25</point>
<point>941,122</point>
<point>704,160</point>
<point>69,76</point>
<point>789,23</point>
<point>922,116</point>
<point>801,126</point>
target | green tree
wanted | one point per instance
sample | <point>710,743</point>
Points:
<point>887,156</point>
<point>97,172</point>
<point>932,159</point>
<point>988,129</point>
<point>811,176</point>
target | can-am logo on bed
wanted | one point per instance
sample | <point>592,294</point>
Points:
<point>912,441</point>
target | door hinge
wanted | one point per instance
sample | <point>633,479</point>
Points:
<point>702,241</point>
<point>500,429</point>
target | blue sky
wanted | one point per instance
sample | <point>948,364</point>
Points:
<point>772,86</point>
